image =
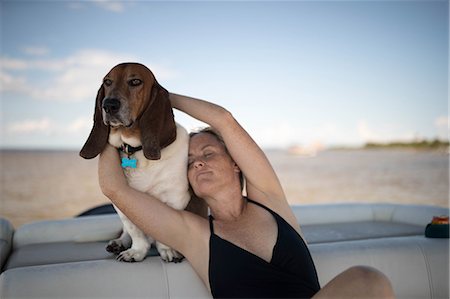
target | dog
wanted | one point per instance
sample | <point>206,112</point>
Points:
<point>133,113</point>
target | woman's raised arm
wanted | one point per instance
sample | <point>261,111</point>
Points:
<point>262,182</point>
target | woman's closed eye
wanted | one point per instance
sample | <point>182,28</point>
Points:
<point>207,154</point>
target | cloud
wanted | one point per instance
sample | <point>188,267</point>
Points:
<point>46,126</point>
<point>394,132</point>
<point>441,124</point>
<point>108,5</point>
<point>12,83</point>
<point>278,135</point>
<point>81,125</point>
<point>75,5</point>
<point>36,51</point>
<point>384,133</point>
<point>111,5</point>
<point>43,125</point>
<point>284,134</point>
<point>45,132</point>
<point>365,133</point>
<point>73,78</point>
<point>13,64</point>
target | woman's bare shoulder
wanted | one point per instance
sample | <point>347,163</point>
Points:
<point>196,228</point>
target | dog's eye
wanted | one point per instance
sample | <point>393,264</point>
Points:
<point>135,82</point>
<point>107,82</point>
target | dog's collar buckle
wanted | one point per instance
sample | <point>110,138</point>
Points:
<point>129,150</point>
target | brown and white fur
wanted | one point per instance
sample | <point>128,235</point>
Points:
<point>132,108</point>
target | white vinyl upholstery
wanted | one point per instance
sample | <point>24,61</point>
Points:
<point>82,229</point>
<point>66,258</point>
<point>338,213</point>
<point>151,278</point>
<point>417,267</point>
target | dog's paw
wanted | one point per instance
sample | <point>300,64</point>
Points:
<point>132,255</point>
<point>115,246</point>
<point>170,255</point>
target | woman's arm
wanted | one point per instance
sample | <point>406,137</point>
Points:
<point>262,181</point>
<point>165,224</point>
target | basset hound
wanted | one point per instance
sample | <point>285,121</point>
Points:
<point>133,113</point>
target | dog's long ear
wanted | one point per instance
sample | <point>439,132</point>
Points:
<point>157,123</point>
<point>98,138</point>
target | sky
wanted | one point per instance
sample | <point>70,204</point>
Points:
<point>292,72</point>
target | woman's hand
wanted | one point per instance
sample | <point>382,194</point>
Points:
<point>111,178</point>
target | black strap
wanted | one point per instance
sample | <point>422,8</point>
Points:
<point>260,204</point>
<point>129,150</point>
<point>211,226</point>
<point>211,218</point>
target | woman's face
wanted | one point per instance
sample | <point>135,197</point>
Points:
<point>210,167</point>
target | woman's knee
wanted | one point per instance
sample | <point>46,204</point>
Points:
<point>372,279</point>
<point>358,282</point>
<point>367,273</point>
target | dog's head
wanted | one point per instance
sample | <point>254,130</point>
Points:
<point>131,99</point>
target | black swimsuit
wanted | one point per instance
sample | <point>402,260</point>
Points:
<point>237,273</point>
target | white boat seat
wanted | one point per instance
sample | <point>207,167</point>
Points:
<point>361,230</point>
<point>416,266</point>
<point>67,258</point>
<point>70,251</point>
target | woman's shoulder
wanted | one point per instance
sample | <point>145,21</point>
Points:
<point>280,206</point>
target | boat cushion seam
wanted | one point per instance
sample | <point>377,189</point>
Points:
<point>430,278</point>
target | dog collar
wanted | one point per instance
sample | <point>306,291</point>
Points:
<point>129,150</point>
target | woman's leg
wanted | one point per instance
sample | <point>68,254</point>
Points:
<point>358,282</point>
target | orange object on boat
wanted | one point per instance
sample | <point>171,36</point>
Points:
<point>440,220</point>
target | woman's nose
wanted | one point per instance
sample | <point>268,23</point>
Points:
<point>199,163</point>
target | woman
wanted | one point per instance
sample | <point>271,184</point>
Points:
<point>251,246</point>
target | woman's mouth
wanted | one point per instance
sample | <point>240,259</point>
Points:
<point>202,173</point>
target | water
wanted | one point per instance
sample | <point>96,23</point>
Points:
<point>55,185</point>
<point>408,177</point>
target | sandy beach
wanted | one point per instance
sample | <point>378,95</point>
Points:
<point>44,185</point>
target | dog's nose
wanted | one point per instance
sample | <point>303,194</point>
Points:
<point>111,105</point>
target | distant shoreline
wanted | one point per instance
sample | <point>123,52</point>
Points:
<point>422,145</point>
<point>435,144</point>
<point>37,150</point>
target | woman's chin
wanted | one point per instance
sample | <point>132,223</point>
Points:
<point>203,189</point>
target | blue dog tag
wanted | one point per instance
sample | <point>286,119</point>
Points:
<point>127,162</point>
